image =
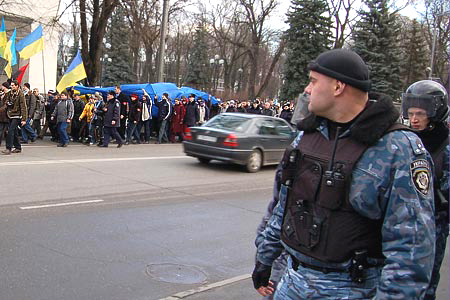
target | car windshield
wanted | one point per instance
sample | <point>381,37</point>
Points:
<point>230,123</point>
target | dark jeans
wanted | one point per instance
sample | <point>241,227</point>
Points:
<point>76,126</point>
<point>111,131</point>
<point>62,130</point>
<point>28,132</point>
<point>132,132</point>
<point>13,134</point>
<point>163,131</point>
<point>37,126</point>
<point>147,128</point>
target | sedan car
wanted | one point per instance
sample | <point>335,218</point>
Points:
<point>244,139</point>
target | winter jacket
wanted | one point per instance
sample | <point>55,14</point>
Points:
<point>123,100</point>
<point>88,112</point>
<point>39,112</point>
<point>165,110</point>
<point>286,115</point>
<point>178,117</point>
<point>191,117</point>
<point>78,107</point>
<point>268,112</point>
<point>135,110</point>
<point>31,100</point>
<point>112,113</point>
<point>253,110</point>
<point>63,111</point>
<point>3,108</point>
<point>17,107</point>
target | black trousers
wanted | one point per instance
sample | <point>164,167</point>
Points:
<point>111,131</point>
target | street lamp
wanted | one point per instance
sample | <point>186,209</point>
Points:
<point>216,62</point>
<point>240,71</point>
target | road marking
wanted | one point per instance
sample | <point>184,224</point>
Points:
<point>207,287</point>
<point>88,160</point>
<point>60,204</point>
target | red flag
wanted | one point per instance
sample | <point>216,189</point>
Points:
<point>18,75</point>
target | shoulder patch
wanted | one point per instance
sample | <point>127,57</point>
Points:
<point>421,175</point>
<point>117,104</point>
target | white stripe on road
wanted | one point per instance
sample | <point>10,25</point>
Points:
<point>61,204</point>
<point>88,160</point>
<point>207,287</point>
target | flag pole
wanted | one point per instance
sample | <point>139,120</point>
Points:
<point>43,71</point>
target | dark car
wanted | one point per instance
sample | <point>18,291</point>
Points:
<point>244,139</point>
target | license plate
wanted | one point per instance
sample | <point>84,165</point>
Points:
<point>206,138</point>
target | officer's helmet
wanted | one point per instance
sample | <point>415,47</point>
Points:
<point>428,95</point>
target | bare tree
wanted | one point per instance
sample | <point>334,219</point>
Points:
<point>255,14</point>
<point>99,13</point>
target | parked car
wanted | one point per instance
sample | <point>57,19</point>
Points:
<point>244,139</point>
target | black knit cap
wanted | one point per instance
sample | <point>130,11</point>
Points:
<point>343,65</point>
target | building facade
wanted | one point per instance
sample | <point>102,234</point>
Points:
<point>25,16</point>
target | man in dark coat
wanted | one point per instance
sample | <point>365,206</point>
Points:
<point>112,120</point>
<point>254,109</point>
<point>30,99</point>
<point>78,107</point>
<point>267,111</point>
<point>134,115</point>
<point>17,114</point>
<point>191,117</point>
<point>124,109</point>
<point>3,117</point>
<point>165,111</point>
<point>286,113</point>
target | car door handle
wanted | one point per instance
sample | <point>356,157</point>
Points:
<point>264,140</point>
<point>283,140</point>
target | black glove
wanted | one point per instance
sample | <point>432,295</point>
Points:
<point>261,275</point>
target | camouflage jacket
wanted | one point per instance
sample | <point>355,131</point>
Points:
<point>382,187</point>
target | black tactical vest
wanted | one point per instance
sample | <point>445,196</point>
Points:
<point>318,219</point>
<point>438,156</point>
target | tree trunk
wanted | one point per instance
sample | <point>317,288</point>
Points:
<point>272,66</point>
<point>253,57</point>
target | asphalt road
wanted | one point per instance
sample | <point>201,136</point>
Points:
<point>140,222</point>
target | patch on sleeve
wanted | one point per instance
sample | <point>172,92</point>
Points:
<point>117,104</point>
<point>421,175</point>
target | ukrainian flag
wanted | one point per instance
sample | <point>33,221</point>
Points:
<point>3,39</point>
<point>10,54</point>
<point>75,72</point>
<point>31,44</point>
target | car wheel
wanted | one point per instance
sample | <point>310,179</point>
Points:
<point>203,160</point>
<point>254,162</point>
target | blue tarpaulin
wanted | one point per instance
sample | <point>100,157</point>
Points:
<point>152,89</point>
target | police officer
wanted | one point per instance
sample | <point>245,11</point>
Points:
<point>424,104</point>
<point>356,208</point>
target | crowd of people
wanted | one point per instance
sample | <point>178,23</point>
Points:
<point>26,115</point>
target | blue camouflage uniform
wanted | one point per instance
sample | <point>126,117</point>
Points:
<point>442,228</point>
<point>382,187</point>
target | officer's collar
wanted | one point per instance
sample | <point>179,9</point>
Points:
<point>378,116</point>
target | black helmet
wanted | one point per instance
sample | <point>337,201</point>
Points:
<point>428,95</point>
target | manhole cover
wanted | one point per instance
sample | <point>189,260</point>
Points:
<point>174,273</point>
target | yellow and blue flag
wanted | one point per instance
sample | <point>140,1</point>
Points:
<point>3,39</point>
<point>75,72</point>
<point>31,44</point>
<point>10,54</point>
